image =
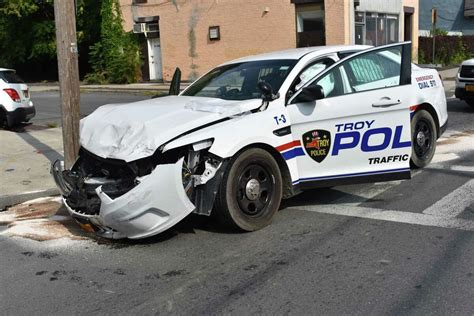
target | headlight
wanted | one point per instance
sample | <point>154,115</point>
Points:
<point>203,144</point>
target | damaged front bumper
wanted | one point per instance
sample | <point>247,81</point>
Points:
<point>156,202</point>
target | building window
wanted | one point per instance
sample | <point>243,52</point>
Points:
<point>310,25</point>
<point>375,28</point>
<point>214,33</point>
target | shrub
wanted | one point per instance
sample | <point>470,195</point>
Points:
<point>116,57</point>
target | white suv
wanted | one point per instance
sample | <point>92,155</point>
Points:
<point>465,82</point>
<point>15,103</point>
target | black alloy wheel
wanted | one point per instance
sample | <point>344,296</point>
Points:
<point>424,138</point>
<point>250,192</point>
<point>254,189</point>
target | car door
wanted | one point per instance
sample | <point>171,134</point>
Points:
<point>360,129</point>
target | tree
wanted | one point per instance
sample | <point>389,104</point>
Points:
<point>116,57</point>
<point>26,32</point>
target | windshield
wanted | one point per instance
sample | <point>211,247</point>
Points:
<point>239,81</point>
<point>10,77</point>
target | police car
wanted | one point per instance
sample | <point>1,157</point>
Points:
<point>251,132</point>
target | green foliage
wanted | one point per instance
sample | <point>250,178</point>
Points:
<point>454,55</point>
<point>116,57</point>
<point>26,31</point>
<point>438,32</point>
<point>27,35</point>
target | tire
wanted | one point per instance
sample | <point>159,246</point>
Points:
<point>3,119</point>
<point>424,138</point>
<point>470,103</point>
<point>251,191</point>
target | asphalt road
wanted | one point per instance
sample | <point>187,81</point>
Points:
<point>48,108</point>
<point>403,247</point>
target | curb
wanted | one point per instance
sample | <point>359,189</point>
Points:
<point>9,200</point>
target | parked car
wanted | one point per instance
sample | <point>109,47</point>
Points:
<point>15,103</point>
<point>465,82</point>
<point>251,132</point>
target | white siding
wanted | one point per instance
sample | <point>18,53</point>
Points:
<point>381,6</point>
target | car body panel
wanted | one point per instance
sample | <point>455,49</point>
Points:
<point>132,131</point>
<point>158,203</point>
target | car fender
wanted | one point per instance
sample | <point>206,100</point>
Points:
<point>434,97</point>
<point>251,129</point>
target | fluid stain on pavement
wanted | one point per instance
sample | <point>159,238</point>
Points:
<point>39,220</point>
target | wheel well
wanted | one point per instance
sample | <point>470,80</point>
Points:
<point>288,190</point>
<point>429,108</point>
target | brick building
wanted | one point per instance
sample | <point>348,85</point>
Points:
<point>197,35</point>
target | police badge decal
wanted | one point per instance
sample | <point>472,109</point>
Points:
<point>317,144</point>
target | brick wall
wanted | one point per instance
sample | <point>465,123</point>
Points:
<point>413,4</point>
<point>256,27</point>
<point>337,22</point>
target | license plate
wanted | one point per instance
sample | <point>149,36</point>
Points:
<point>25,93</point>
<point>470,88</point>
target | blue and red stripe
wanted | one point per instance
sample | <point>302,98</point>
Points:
<point>291,150</point>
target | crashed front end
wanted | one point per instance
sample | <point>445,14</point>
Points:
<point>138,199</point>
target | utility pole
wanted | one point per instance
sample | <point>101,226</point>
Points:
<point>68,71</point>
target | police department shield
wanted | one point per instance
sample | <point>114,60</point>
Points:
<point>317,144</point>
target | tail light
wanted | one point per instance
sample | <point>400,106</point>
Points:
<point>13,94</point>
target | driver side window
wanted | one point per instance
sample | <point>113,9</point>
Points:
<point>309,72</point>
<point>331,83</point>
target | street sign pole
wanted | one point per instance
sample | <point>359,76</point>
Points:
<point>68,73</point>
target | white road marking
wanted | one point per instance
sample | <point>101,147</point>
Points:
<point>454,203</point>
<point>391,216</point>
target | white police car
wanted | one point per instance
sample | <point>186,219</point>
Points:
<point>251,132</point>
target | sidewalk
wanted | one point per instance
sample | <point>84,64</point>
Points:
<point>25,158</point>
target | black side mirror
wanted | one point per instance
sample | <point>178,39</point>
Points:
<point>175,85</point>
<point>267,91</point>
<point>310,94</point>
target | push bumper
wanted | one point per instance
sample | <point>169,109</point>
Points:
<point>20,115</point>
<point>157,203</point>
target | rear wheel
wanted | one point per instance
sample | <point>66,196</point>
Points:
<point>424,138</point>
<point>250,192</point>
<point>471,103</point>
<point>3,118</point>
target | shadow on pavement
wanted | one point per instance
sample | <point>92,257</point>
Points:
<point>42,148</point>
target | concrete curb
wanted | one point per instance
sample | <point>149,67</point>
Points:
<point>9,200</point>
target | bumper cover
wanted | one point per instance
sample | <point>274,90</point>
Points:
<point>20,115</point>
<point>157,203</point>
<point>462,94</point>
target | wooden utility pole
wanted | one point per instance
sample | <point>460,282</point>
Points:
<point>68,70</point>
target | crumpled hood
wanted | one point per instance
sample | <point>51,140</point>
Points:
<point>135,130</point>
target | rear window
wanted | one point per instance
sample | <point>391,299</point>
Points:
<point>10,77</point>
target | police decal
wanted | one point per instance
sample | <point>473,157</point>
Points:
<point>317,144</point>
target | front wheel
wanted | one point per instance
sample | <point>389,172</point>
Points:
<point>250,192</point>
<point>424,138</point>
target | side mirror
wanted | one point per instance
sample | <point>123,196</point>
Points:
<point>310,94</point>
<point>267,91</point>
<point>175,85</point>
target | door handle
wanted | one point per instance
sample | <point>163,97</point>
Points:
<point>385,103</point>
